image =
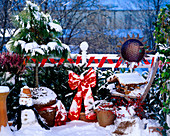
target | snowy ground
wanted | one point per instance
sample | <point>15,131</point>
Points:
<point>81,128</point>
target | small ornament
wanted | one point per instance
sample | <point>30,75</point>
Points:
<point>132,49</point>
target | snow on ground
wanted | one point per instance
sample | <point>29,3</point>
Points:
<point>81,128</point>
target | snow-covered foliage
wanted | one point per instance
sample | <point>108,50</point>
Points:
<point>37,34</point>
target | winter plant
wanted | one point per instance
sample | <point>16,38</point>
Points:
<point>162,35</point>
<point>37,36</point>
<point>12,62</point>
<point>11,67</point>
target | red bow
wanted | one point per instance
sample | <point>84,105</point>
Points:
<point>84,84</point>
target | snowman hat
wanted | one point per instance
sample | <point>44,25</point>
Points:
<point>25,92</point>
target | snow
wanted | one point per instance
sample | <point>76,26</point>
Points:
<point>130,78</point>
<point>28,117</point>
<point>4,89</point>
<point>39,50</point>
<point>5,131</point>
<point>8,32</point>
<point>57,27</point>
<point>81,128</point>
<point>32,5</point>
<point>66,47</point>
<point>52,45</point>
<point>44,95</point>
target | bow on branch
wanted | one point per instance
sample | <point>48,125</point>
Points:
<point>83,85</point>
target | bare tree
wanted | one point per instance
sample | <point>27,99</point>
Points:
<point>144,16</point>
<point>88,20</point>
<point>8,9</point>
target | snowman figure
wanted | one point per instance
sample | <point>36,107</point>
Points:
<point>27,115</point>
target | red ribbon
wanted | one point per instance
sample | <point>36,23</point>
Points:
<point>102,62</point>
<point>152,61</point>
<point>118,63</point>
<point>84,84</point>
<point>61,114</point>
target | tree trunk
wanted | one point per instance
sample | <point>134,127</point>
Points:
<point>36,75</point>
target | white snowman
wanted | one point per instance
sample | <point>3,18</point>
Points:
<point>27,115</point>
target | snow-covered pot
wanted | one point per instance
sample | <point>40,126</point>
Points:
<point>105,116</point>
<point>44,100</point>
<point>4,91</point>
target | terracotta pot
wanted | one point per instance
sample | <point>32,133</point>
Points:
<point>27,92</point>
<point>105,117</point>
<point>3,111</point>
<point>83,118</point>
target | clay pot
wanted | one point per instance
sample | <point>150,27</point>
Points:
<point>3,111</point>
<point>27,92</point>
<point>83,118</point>
<point>105,117</point>
<point>48,116</point>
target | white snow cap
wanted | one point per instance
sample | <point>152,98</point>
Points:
<point>30,46</point>
<point>32,5</point>
<point>55,26</point>
<point>4,89</point>
<point>66,47</point>
<point>44,95</point>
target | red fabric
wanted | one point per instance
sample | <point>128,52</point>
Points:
<point>96,61</point>
<point>60,62</point>
<point>90,61</point>
<point>78,59</point>
<point>84,84</point>
<point>102,62</point>
<point>71,61</point>
<point>146,62</point>
<point>152,61</point>
<point>110,61</point>
<point>34,60</point>
<point>43,62</point>
<point>52,61</point>
<point>61,114</point>
<point>135,66</point>
<point>118,63</point>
